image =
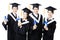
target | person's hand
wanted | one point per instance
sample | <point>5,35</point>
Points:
<point>34,27</point>
<point>20,24</point>
<point>5,21</point>
<point>46,28</point>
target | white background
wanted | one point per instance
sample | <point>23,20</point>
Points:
<point>5,8</point>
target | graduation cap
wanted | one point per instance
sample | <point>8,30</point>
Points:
<point>36,5</point>
<point>50,8</point>
<point>14,4</point>
<point>27,10</point>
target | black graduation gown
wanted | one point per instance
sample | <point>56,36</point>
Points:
<point>49,35</point>
<point>37,33</point>
<point>10,28</point>
<point>21,32</point>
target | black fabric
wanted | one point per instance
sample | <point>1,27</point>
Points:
<point>27,10</point>
<point>37,33</point>
<point>50,8</point>
<point>21,32</point>
<point>36,5</point>
<point>15,4</point>
<point>49,35</point>
<point>10,28</point>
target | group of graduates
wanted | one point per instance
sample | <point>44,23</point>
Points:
<point>31,26</point>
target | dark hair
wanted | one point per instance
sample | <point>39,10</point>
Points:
<point>35,7</point>
<point>12,7</point>
<point>51,11</point>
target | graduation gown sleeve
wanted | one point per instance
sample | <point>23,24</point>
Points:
<point>19,30</point>
<point>6,25</point>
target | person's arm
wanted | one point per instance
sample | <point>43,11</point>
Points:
<point>4,25</point>
<point>5,22</point>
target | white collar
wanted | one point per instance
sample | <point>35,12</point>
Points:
<point>37,20</point>
<point>14,17</point>
<point>14,14</point>
<point>35,14</point>
<point>25,22</point>
<point>50,18</point>
<point>24,19</point>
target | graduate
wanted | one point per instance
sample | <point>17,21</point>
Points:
<point>21,28</point>
<point>10,21</point>
<point>49,25</point>
<point>35,30</point>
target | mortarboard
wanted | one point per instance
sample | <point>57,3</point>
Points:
<point>27,10</point>
<point>36,5</point>
<point>50,8</point>
<point>15,4</point>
